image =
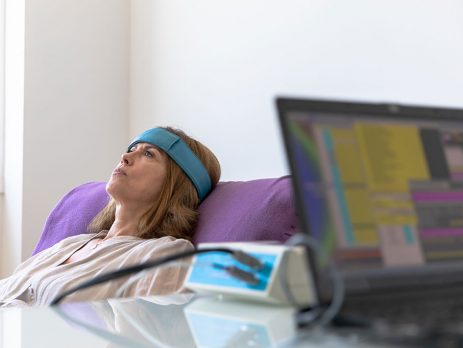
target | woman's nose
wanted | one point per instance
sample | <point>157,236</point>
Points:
<point>125,158</point>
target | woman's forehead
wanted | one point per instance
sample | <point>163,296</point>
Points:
<point>147,146</point>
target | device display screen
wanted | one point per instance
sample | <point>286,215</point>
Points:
<point>379,193</point>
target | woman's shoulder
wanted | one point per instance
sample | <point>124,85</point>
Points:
<point>160,247</point>
<point>171,241</point>
<point>166,245</point>
<point>77,238</point>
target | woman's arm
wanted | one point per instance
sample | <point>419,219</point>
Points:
<point>162,280</point>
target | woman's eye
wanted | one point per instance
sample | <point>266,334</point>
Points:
<point>149,154</point>
<point>132,149</point>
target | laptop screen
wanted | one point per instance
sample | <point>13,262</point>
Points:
<point>380,187</point>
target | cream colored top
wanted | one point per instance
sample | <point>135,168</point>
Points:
<point>43,277</point>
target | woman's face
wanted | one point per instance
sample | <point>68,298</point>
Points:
<point>140,175</point>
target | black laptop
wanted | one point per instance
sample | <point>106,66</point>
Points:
<point>380,187</point>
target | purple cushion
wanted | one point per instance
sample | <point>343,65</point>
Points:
<point>73,213</point>
<point>235,211</point>
<point>247,211</point>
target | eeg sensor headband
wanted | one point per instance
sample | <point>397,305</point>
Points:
<point>180,153</point>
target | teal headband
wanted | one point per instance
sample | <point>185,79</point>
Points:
<point>181,154</point>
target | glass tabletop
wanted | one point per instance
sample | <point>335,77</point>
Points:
<point>171,321</point>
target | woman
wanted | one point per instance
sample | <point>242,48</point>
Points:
<point>155,190</point>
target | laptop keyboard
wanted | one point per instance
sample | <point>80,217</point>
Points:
<point>426,314</point>
<point>437,310</point>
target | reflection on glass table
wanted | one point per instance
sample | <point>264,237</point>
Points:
<point>141,322</point>
<point>178,322</point>
<point>193,321</point>
<point>217,323</point>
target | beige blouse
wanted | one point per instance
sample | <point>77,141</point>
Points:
<point>43,277</point>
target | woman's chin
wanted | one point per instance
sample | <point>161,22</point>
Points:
<point>111,187</point>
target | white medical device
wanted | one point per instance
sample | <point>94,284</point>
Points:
<point>283,278</point>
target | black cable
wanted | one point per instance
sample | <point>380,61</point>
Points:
<point>238,255</point>
<point>319,314</point>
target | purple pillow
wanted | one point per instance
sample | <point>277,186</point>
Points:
<point>260,209</point>
<point>73,213</point>
<point>235,211</point>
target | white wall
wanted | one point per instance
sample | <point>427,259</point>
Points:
<point>2,113</point>
<point>75,112</point>
<point>214,67</point>
<point>10,253</point>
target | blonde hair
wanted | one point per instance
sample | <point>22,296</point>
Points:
<point>175,212</point>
